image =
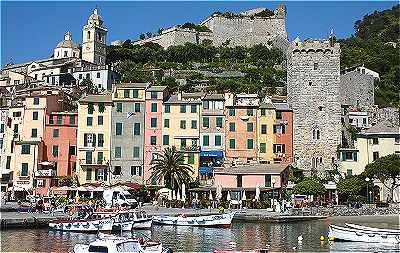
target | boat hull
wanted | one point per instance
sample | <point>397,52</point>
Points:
<point>142,224</point>
<point>222,220</point>
<point>355,226</point>
<point>83,226</point>
<point>355,235</point>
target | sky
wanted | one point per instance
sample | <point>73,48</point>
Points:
<point>31,30</point>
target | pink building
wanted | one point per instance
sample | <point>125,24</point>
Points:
<point>283,131</point>
<point>153,127</point>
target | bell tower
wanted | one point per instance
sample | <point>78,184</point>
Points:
<point>94,40</point>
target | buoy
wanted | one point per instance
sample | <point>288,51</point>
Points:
<point>331,238</point>
<point>322,238</point>
<point>300,238</point>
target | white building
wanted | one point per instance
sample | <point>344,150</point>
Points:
<point>359,119</point>
<point>66,48</point>
<point>101,76</point>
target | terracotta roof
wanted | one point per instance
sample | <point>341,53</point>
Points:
<point>252,169</point>
<point>96,98</point>
<point>157,88</point>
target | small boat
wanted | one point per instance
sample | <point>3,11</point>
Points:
<point>83,225</point>
<point>243,251</point>
<point>355,226</point>
<point>127,220</point>
<point>358,235</point>
<point>216,220</point>
<point>111,244</point>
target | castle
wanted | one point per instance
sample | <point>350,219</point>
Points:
<point>245,29</point>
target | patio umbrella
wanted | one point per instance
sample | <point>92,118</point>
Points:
<point>173,195</point>
<point>210,197</point>
<point>218,192</point>
<point>178,197</point>
<point>244,195</point>
<point>183,192</point>
<point>228,197</point>
<point>170,195</point>
<point>257,197</point>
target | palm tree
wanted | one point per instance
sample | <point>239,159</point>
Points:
<point>171,167</point>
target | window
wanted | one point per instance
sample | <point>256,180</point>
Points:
<point>136,171</point>
<point>364,121</point>
<point>153,122</point>
<point>232,127</point>
<point>153,95</point>
<point>232,112</point>
<point>268,180</point>
<point>136,152</point>
<point>118,128</point>
<point>119,107</point>
<point>55,150</point>
<point>206,140</point>
<point>193,108</point>
<point>249,111</point>
<point>117,170</point>
<point>100,157</point>
<point>25,149</point>
<point>279,129</point>
<point>166,123</point>
<point>88,174</point>
<point>135,93</point>
<point>89,121</point>
<point>349,172</point>
<point>397,140</point>
<point>165,139</point>
<point>100,120</point>
<point>137,107</point>
<point>375,155</point>
<point>263,129</point>
<point>72,119</point>
<point>8,163</point>
<point>89,157</point>
<point>183,108</point>
<point>194,124</point>
<point>239,181</point>
<point>218,122</point>
<point>80,76</point>
<point>263,147</point>
<point>232,144</point>
<point>87,75</point>
<point>15,128</point>
<point>315,65</point>
<point>250,144</point>
<point>126,93</point>
<point>2,128</point>
<point>118,152</point>
<point>35,101</point>
<point>249,127</point>
<point>206,122</point>
<point>191,158</point>
<point>263,112</point>
<point>183,143</point>
<point>206,105</point>
<point>34,132</point>
<point>24,169</point>
<point>35,115</point>
<point>56,133</point>
<point>98,75</point>
<point>72,150</point>
<point>153,107</point>
<point>279,148</point>
<point>16,114</point>
<point>153,140</point>
<point>183,124</point>
<point>136,129</point>
<point>59,119</point>
<point>100,140</point>
<point>218,140</point>
<point>316,134</point>
<point>278,115</point>
<point>375,141</point>
<point>167,108</point>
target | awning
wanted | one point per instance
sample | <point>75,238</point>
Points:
<point>211,154</point>
<point>206,170</point>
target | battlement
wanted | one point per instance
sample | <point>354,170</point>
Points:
<point>314,46</point>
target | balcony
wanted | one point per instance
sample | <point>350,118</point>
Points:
<point>192,148</point>
<point>45,173</point>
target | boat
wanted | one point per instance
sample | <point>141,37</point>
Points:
<point>243,251</point>
<point>215,220</point>
<point>355,226</point>
<point>127,220</point>
<point>87,224</point>
<point>359,235</point>
<point>111,244</point>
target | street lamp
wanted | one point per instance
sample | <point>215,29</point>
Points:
<point>273,195</point>
<point>367,180</point>
<point>371,197</point>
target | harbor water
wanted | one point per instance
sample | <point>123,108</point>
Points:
<point>281,237</point>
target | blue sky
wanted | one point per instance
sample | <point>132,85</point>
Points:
<point>30,30</point>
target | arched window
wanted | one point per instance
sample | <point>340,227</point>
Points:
<point>88,35</point>
<point>318,135</point>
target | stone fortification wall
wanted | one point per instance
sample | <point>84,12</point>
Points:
<point>357,89</point>
<point>313,83</point>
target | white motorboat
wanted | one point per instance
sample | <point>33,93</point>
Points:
<point>216,220</point>
<point>358,235</point>
<point>127,220</point>
<point>111,244</point>
<point>83,225</point>
<point>355,226</point>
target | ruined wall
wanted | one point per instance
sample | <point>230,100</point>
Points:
<point>313,82</point>
<point>357,89</point>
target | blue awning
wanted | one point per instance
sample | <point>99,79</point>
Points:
<point>206,170</point>
<point>212,154</point>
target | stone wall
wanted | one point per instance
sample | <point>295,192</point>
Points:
<point>357,89</point>
<point>313,82</point>
<point>384,114</point>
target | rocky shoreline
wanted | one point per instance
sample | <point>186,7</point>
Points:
<point>346,211</point>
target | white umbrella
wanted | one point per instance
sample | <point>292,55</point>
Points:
<point>173,195</point>
<point>178,197</point>
<point>244,195</point>
<point>257,197</point>
<point>170,195</point>
<point>210,197</point>
<point>228,197</point>
<point>183,192</point>
<point>218,192</point>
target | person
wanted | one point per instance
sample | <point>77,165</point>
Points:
<point>193,203</point>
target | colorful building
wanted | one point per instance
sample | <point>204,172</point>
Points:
<point>266,138</point>
<point>181,126</point>
<point>283,134</point>
<point>127,134</point>
<point>5,173</point>
<point>155,96</point>
<point>241,128</point>
<point>94,138</point>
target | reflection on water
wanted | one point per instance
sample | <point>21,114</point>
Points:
<point>280,237</point>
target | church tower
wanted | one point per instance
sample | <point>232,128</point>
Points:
<point>94,40</point>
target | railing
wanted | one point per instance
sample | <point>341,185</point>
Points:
<point>45,173</point>
<point>193,148</point>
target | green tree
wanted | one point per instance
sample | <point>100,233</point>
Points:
<point>387,170</point>
<point>352,186</point>
<point>170,166</point>
<point>149,34</point>
<point>142,36</point>
<point>89,86</point>
<point>309,186</point>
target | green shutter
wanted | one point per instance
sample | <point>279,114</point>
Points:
<point>191,158</point>
<point>206,140</point>
<point>88,174</point>
<point>232,144</point>
<point>218,140</point>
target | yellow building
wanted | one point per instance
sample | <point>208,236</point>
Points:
<point>265,123</point>
<point>181,124</point>
<point>94,131</point>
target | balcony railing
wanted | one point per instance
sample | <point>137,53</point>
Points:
<point>45,173</point>
<point>192,148</point>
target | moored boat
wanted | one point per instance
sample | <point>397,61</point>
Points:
<point>355,226</point>
<point>83,225</point>
<point>216,220</point>
<point>358,235</point>
<point>243,251</point>
<point>127,220</point>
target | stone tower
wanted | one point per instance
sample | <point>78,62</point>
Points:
<point>313,81</point>
<point>94,40</point>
